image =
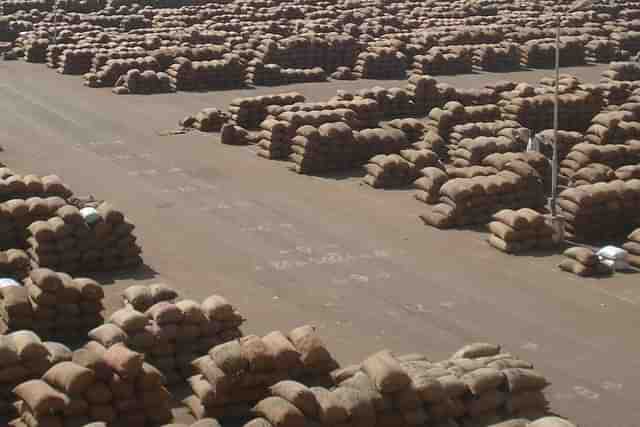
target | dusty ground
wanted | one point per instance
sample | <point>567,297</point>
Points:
<point>290,249</point>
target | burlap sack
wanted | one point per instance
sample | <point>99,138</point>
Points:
<point>70,377</point>
<point>575,267</point>
<point>330,412</point>
<point>584,256</point>
<point>524,380</point>
<point>279,412</point>
<point>258,422</point>
<point>551,422</point>
<point>129,320</point>
<point>361,411</point>
<point>283,353</point>
<point>364,384</point>
<point>139,296</point>
<point>99,393</point>
<point>228,357</point>
<point>8,352</point>
<point>93,360</point>
<point>46,279</point>
<point>191,311</point>
<point>483,380</point>
<point>298,395</point>
<point>108,335</point>
<point>386,372</point>
<point>255,352</point>
<point>475,350</point>
<point>41,397</point>
<point>89,289</point>
<point>126,363</point>
<point>311,348</point>
<point>164,312</point>
<point>217,308</point>
<point>28,346</point>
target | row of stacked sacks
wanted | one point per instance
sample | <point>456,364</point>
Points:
<point>566,141</point>
<point>146,82</point>
<point>478,385</point>
<point>343,73</point>
<point>335,147</point>
<point>423,90</point>
<point>454,113</point>
<point>519,162</point>
<point>367,110</point>
<point>237,374</point>
<point>172,335</point>
<point>443,61</point>
<point>24,357</point>
<point>541,53</point>
<point>583,262</point>
<point>275,75</point>
<point>622,71</point>
<point>466,201</point>
<point>613,127</point>
<point>399,170</point>
<point>600,211</point>
<point>391,102</point>
<point>16,186</point>
<point>277,135</point>
<point>52,304</point>
<point>603,51</point>
<point>96,385</point>
<point>225,73</point>
<point>590,163</point>
<point>206,120</point>
<point>502,57</point>
<point>520,231</point>
<point>483,140</point>
<point>18,214</point>
<point>632,246</point>
<point>381,63</point>
<point>109,73</point>
<point>628,40</point>
<point>249,112</point>
<point>231,134</point>
<point>73,240</point>
<point>70,61</point>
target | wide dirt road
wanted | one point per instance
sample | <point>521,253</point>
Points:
<point>290,249</point>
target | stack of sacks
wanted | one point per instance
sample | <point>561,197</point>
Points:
<point>503,57</point>
<point>471,171</point>
<point>592,173</point>
<point>542,53</point>
<point>616,93</point>
<point>632,246</point>
<point>172,335</point>
<point>141,297</point>
<point>371,142</point>
<point>398,170</point>
<point>35,50</point>
<point>429,183</point>
<point>17,214</point>
<point>613,156</point>
<point>628,40</point>
<point>251,111</point>
<point>68,242</point>
<point>239,373</point>
<point>615,127</point>
<point>15,186</point>
<point>414,129</point>
<point>622,71</point>
<point>231,134</point>
<point>534,159</point>
<point>443,61</point>
<point>468,97</point>
<point>146,82</point>
<point>275,142</point>
<point>454,113</point>
<point>98,385</point>
<point>583,262</point>
<point>464,201</point>
<point>602,50</point>
<point>519,231</point>
<point>367,111</point>
<point>75,61</point>
<point>343,73</point>
<point>392,102</point>
<point>228,72</point>
<point>53,304</point>
<point>566,141</point>
<point>329,147</point>
<point>600,211</point>
<point>207,120</point>
<point>108,74</point>
<point>381,63</point>
<point>424,92</point>
<point>25,357</point>
<point>473,151</point>
<point>506,128</point>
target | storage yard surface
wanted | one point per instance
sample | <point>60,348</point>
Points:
<point>326,250</point>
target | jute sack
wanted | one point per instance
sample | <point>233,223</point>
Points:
<point>361,411</point>
<point>70,377</point>
<point>108,335</point>
<point>129,320</point>
<point>228,357</point>
<point>8,352</point>
<point>311,348</point>
<point>283,353</point>
<point>254,351</point>
<point>584,256</point>
<point>298,395</point>
<point>280,413</point>
<point>330,412</point>
<point>28,346</point>
<point>126,363</point>
<point>368,391</point>
<point>41,398</point>
<point>483,380</point>
<point>577,268</point>
<point>475,350</point>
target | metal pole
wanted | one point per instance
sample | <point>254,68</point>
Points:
<point>554,169</point>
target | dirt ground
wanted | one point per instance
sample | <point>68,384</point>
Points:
<point>290,249</point>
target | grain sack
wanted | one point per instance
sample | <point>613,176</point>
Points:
<point>206,422</point>
<point>69,377</point>
<point>41,398</point>
<point>164,312</point>
<point>216,377</point>
<point>191,312</point>
<point>360,411</point>
<point>126,363</point>
<point>583,255</point>
<point>108,335</point>
<point>139,296</point>
<point>298,395</point>
<point>46,279</point>
<point>551,422</point>
<point>228,357</point>
<point>216,307</point>
<point>281,350</point>
<point>385,372</point>
<point>279,412</point>
<point>311,348</point>
<point>476,350</point>
<point>99,393</point>
<point>330,412</point>
<point>89,288</point>
<point>368,391</point>
<point>57,352</point>
<point>258,422</point>
<point>524,379</point>
<point>129,320</point>
<point>28,346</point>
<point>483,380</point>
<point>256,354</point>
<point>93,361</point>
<point>577,268</point>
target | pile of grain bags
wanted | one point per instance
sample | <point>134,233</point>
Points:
<point>142,297</point>
<point>502,57</point>
<point>249,112</point>
<point>14,264</point>
<point>172,335</point>
<point>231,134</point>
<point>398,170</point>
<point>443,61</point>
<point>225,73</point>
<point>53,304</point>
<point>392,102</point>
<point>541,53</point>
<point>206,120</point>
<point>381,63</point>
<point>473,151</point>
<point>583,262</point>
<point>566,141</point>
<point>74,61</point>
<point>68,242</point>
<point>623,71</point>
<point>329,147</point>
<point>15,186</point>
<point>602,50</point>
<point>612,156</point>
<point>239,373</point>
<point>600,211</point>
<point>519,231</point>
<point>613,127</point>
<point>465,201</point>
<point>424,92</point>
<point>17,214</point>
<point>24,357</point>
<point>454,113</point>
<point>98,385</point>
<point>632,246</point>
<point>145,82</point>
<point>275,139</point>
